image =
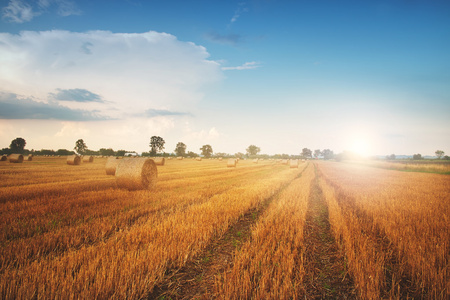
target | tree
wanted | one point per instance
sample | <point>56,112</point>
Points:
<point>180,149</point>
<point>252,150</point>
<point>17,145</point>
<point>221,154</point>
<point>317,153</point>
<point>106,152</point>
<point>306,153</point>
<point>327,154</point>
<point>239,155</point>
<point>439,153</point>
<point>121,152</point>
<point>64,152</point>
<point>417,156</point>
<point>192,154</point>
<point>80,147</point>
<point>156,144</point>
<point>206,151</point>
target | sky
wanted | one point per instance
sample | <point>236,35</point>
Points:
<point>371,77</point>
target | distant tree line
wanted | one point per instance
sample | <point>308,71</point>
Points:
<point>157,146</point>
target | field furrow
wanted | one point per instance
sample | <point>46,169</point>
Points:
<point>325,264</point>
<point>270,264</point>
<point>196,279</point>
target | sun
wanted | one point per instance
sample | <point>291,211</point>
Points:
<point>360,146</point>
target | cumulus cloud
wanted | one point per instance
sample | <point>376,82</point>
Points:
<point>245,66</point>
<point>14,107</point>
<point>133,71</point>
<point>204,135</point>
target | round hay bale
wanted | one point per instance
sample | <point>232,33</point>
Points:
<point>4,157</point>
<point>198,159</point>
<point>136,174</point>
<point>88,159</point>
<point>284,162</point>
<point>180,157</point>
<point>111,165</point>
<point>220,158</point>
<point>293,163</point>
<point>255,161</point>
<point>159,161</point>
<point>30,157</point>
<point>231,163</point>
<point>16,158</point>
<point>169,158</point>
<point>73,160</point>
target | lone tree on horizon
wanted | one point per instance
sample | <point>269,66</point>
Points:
<point>206,151</point>
<point>17,145</point>
<point>327,154</point>
<point>156,144</point>
<point>306,153</point>
<point>80,146</point>
<point>439,153</point>
<point>317,153</point>
<point>252,150</point>
<point>180,149</point>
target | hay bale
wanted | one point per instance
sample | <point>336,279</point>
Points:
<point>284,162</point>
<point>293,163</point>
<point>159,161</point>
<point>180,157</point>
<point>198,159</point>
<point>231,163</point>
<point>111,165</point>
<point>255,161</point>
<point>4,157</point>
<point>88,159</point>
<point>136,174</point>
<point>73,160</point>
<point>16,158</point>
<point>169,158</point>
<point>220,158</point>
<point>30,157</point>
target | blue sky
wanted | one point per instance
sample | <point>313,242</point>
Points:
<point>367,76</point>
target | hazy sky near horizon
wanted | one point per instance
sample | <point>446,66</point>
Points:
<point>368,76</point>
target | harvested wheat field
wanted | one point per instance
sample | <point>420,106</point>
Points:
<point>207,231</point>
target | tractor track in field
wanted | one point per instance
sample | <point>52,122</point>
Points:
<point>195,280</point>
<point>325,265</point>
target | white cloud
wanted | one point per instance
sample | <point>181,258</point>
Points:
<point>245,66</point>
<point>18,12</point>
<point>71,129</point>
<point>238,12</point>
<point>201,135</point>
<point>132,72</point>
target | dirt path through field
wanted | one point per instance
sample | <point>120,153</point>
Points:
<point>325,265</point>
<point>196,279</point>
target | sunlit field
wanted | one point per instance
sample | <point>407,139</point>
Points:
<point>437,166</point>
<point>70,232</point>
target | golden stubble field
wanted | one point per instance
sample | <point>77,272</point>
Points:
<point>69,232</point>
